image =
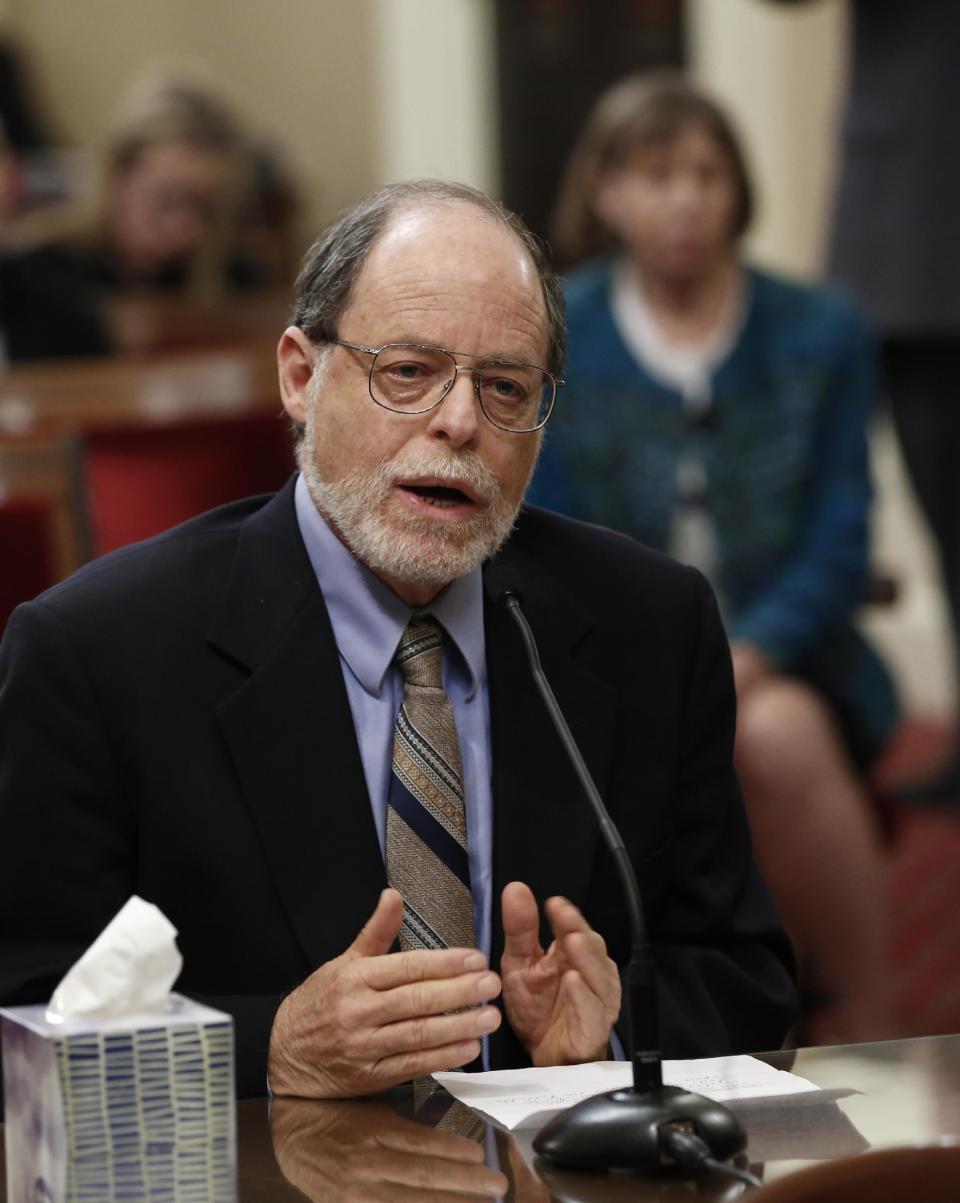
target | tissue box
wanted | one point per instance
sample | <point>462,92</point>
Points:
<point>133,1107</point>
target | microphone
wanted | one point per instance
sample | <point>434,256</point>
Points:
<point>636,1128</point>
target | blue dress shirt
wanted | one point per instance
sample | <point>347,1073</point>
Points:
<point>368,619</point>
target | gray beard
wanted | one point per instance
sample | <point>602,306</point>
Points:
<point>405,547</point>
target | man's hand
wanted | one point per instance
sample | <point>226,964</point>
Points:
<point>371,1019</point>
<point>561,1003</point>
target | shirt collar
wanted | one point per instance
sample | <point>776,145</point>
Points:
<point>367,616</point>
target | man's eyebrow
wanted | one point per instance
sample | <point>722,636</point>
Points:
<point>486,357</point>
<point>510,357</point>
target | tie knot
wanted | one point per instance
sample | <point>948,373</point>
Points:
<point>419,654</point>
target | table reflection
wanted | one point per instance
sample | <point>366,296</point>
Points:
<point>388,1152</point>
<point>366,1152</point>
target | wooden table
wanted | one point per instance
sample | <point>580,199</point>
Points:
<point>140,322</point>
<point>45,407</point>
<point>880,1095</point>
<point>60,397</point>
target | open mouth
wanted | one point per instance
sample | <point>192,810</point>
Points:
<point>443,496</point>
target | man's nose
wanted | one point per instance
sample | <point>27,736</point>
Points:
<point>457,417</point>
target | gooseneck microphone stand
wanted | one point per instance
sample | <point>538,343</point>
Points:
<point>647,1126</point>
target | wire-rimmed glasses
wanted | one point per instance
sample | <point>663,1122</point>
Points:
<point>412,378</point>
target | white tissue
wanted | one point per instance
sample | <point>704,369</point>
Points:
<point>130,967</point>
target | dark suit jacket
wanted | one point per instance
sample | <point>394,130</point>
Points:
<point>173,722</point>
<point>895,243</point>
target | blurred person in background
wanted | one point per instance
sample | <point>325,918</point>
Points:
<point>188,213</point>
<point>895,247</point>
<point>48,310</point>
<point>720,414</point>
<point>172,176</point>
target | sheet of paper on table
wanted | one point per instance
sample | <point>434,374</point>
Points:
<point>516,1098</point>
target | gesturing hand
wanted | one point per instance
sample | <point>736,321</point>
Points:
<point>370,1019</point>
<point>561,1003</point>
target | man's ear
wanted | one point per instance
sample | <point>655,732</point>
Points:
<point>296,364</point>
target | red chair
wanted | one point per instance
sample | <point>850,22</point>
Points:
<point>137,480</point>
<point>27,551</point>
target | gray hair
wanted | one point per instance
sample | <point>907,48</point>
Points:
<point>331,266</point>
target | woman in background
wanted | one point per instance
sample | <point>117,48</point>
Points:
<point>720,413</point>
<point>171,180</point>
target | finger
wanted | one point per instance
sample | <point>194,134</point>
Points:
<point>394,1192</point>
<point>402,1067</point>
<point>381,929</point>
<point>435,997</point>
<point>420,965</point>
<point>588,1024</point>
<point>426,1033</point>
<point>521,921</point>
<point>588,955</point>
<point>565,917</point>
<point>421,1140</point>
<point>454,1169</point>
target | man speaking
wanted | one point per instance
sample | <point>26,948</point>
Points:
<point>297,718</point>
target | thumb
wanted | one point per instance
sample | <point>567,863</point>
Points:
<point>521,921</point>
<point>381,929</point>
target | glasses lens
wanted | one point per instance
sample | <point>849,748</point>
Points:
<point>405,377</point>
<point>515,396</point>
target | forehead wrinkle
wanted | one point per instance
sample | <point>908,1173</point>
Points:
<point>396,312</point>
<point>451,271</point>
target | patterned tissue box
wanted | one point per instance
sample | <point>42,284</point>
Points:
<point>134,1108</point>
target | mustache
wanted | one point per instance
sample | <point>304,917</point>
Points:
<point>464,467</point>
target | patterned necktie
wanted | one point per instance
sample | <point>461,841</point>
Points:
<point>426,841</point>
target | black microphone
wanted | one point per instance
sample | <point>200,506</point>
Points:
<point>631,1128</point>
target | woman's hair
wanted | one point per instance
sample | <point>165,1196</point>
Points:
<point>170,110</point>
<point>640,111</point>
<point>163,107</point>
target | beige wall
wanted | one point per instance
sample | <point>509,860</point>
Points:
<point>356,91</point>
<point>781,71</point>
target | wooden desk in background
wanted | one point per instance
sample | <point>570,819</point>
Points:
<point>61,397</point>
<point>141,323</point>
<point>44,408</point>
<point>879,1095</point>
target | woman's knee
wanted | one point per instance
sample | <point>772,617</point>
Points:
<point>785,731</point>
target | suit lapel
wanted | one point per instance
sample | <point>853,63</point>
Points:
<point>289,730</point>
<point>545,833</point>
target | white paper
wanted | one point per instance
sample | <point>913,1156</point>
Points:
<point>516,1098</point>
<point>130,967</point>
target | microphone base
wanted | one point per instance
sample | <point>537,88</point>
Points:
<point>620,1130</point>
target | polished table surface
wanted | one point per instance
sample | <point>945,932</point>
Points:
<point>903,1092</point>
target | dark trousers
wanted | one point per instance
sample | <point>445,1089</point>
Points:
<point>923,386</point>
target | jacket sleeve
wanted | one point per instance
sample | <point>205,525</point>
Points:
<point>68,854</point>
<point>724,964</point>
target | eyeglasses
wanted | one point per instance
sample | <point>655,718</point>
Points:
<point>411,378</point>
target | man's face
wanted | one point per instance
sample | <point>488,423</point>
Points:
<point>421,498</point>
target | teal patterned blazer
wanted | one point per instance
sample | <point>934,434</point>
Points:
<point>784,449</point>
